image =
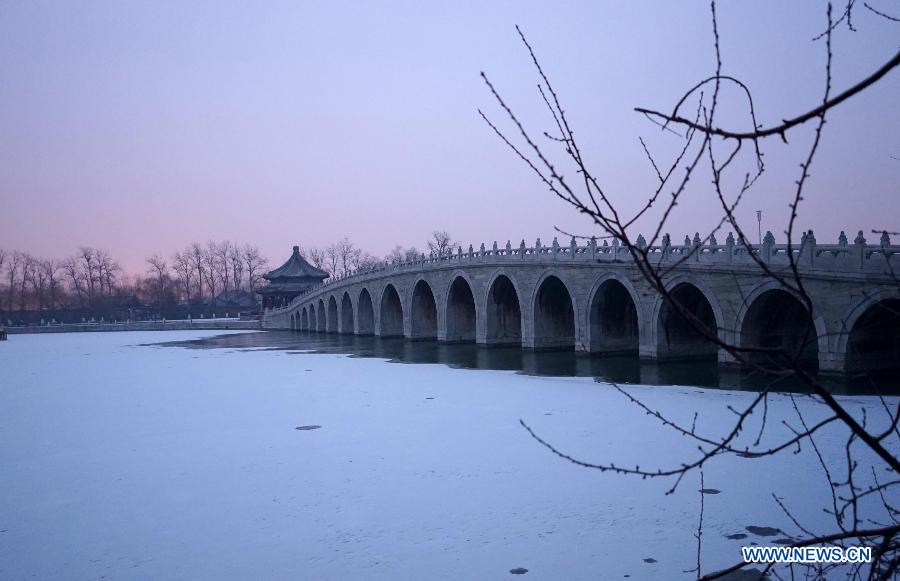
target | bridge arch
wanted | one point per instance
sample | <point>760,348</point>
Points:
<point>503,311</point>
<point>423,312</point>
<point>870,339</point>
<point>390,313</point>
<point>346,314</point>
<point>365,313</point>
<point>332,315</point>
<point>773,317</point>
<point>322,321</point>
<point>293,323</point>
<point>553,313</point>
<point>674,336</point>
<point>461,313</point>
<point>313,319</point>
<point>304,320</point>
<point>613,315</point>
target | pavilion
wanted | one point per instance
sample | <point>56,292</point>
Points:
<point>292,278</point>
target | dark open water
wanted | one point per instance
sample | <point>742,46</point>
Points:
<point>619,368</point>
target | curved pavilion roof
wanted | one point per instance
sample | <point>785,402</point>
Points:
<point>296,269</point>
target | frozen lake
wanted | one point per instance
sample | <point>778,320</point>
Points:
<point>128,461</point>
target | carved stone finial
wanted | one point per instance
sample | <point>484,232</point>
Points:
<point>712,241</point>
<point>842,239</point>
<point>594,241</point>
<point>509,246</point>
<point>729,240</point>
<point>495,247</point>
<point>537,244</point>
<point>811,238</point>
<point>860,239</point>
<point>572,243</point>
<point>666,241</point>
<point>641,242</point>
<point>769,238</point>
<point>696,240</point>
<point>687,241</point>
<point>885,239</point>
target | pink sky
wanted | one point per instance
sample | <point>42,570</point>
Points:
<point>140,127</point>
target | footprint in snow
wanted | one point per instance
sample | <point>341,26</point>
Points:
<point>518,571</point>
<point>710,491</point>
<point>307,427</point>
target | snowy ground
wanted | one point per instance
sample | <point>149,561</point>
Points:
<point>130,462</point>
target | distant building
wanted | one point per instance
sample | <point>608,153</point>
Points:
<point>236,300</point>
<point>292,278</point>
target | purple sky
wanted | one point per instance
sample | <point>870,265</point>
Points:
<point>142,126</point>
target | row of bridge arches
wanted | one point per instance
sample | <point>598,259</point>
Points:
<point>774,319</point>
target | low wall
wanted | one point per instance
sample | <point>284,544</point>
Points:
<point>185,325</point>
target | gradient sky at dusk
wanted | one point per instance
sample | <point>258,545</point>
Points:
<point>140,127</point>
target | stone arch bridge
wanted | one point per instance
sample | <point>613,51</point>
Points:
<point>593,298</point>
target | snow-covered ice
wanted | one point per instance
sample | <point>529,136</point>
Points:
<point>143,462</point>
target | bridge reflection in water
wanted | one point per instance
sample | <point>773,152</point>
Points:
<point>625,368</point>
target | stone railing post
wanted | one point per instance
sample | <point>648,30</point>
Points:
<point>522,249</point>
<point>808,249</point>
<point>665,246</point>
<point>641,242</point>
<point>593,247</point>
<point>768,243</point>
<point>859,251</point>
<point>573,248</point>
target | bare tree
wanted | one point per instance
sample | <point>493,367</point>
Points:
<point>704,142</point>
<point>72,270</point>
<point>222,252</point>
<point>160,270</point>
<point>213,271</point>
<point>108,271</point>
<point>346,255</point>
<point>198,262</point>
<point>181,262</point>
<point>28,268</point>
<point>13,270</point>
<point>255,263</point>
<point>88,270</point>
<point>401,254</point>
<point>441,243</point>
<point>50,269</point>
<point>319,258</point>
<point>364,261</point>
<point>235,258</point>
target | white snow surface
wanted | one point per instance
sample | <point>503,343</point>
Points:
<point>123,461</point>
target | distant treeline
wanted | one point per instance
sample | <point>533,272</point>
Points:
<point>92,284</point>
<point>200,280</point>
